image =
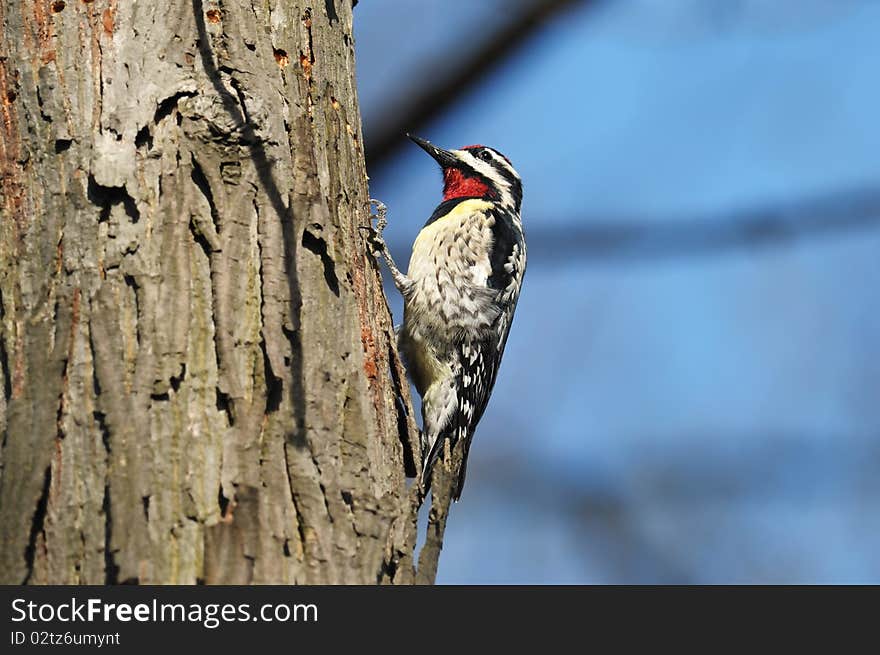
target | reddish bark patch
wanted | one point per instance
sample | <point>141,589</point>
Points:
<point>107,19</point>
<point>213,15</point>
<point>306,64</point>
<point>281,57</point>
<point>11,179</point>
<point>44,32</point>
<point>368,342</point>
<point>371,369</point>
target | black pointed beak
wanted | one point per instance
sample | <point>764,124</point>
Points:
<point>443,157</point>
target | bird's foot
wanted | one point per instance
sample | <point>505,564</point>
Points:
<point>381,214</point>
<point>374,233</point>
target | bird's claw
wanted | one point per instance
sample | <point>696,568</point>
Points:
<point>381,215</point>
<point>373,239</point>
<point>374,233</point>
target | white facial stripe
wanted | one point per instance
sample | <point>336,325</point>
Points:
<point>488,171</point>
<point>501,160</point>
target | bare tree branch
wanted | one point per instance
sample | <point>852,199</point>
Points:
<point>779,225</point>
<point>442,88</point>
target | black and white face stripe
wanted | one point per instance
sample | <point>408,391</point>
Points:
<point>496,169</point>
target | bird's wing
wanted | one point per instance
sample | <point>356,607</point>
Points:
<point>479,358</point>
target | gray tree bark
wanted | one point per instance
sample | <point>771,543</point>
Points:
<point>200,381</point>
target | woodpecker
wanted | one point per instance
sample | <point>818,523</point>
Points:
<point>460,293</point>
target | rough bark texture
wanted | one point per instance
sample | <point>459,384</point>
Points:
<point>198,370</point>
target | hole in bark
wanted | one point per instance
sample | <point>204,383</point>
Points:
<point>346,497</point>
<point>281,57</point>
<point>213,15</point>
<point>145,501</point>
<point>306,65</point>
<point>222,502</point>
<point>250,46</point>
<point>224,405</point>
<point>143,138</point>
<point>160,396</point>
<point>58,6</point>
<point>330,7</point>
<point>287,547</point>
<point>106,197</point>
<point>11,96</point>
<point>318,246</point>
<point>170,104</point>
<point>62,145</point>
<point>30,551</point>
<point>176,381</point>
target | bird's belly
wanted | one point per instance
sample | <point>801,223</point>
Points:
<point>423,361</point>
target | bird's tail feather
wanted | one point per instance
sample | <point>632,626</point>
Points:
<point>431,460</point>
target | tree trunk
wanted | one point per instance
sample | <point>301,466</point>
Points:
<point>199,374</point>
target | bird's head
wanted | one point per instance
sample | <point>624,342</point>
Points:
<point>476,172</point>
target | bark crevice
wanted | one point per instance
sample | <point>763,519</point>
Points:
<point>37,521</point>
<point>318,246</point>
<point>111,568</point>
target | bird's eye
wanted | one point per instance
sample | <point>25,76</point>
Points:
<point>484,155</point>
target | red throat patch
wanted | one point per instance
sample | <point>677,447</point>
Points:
<point>456,185</point>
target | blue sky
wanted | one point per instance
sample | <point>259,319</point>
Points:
<point>696,418</point>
